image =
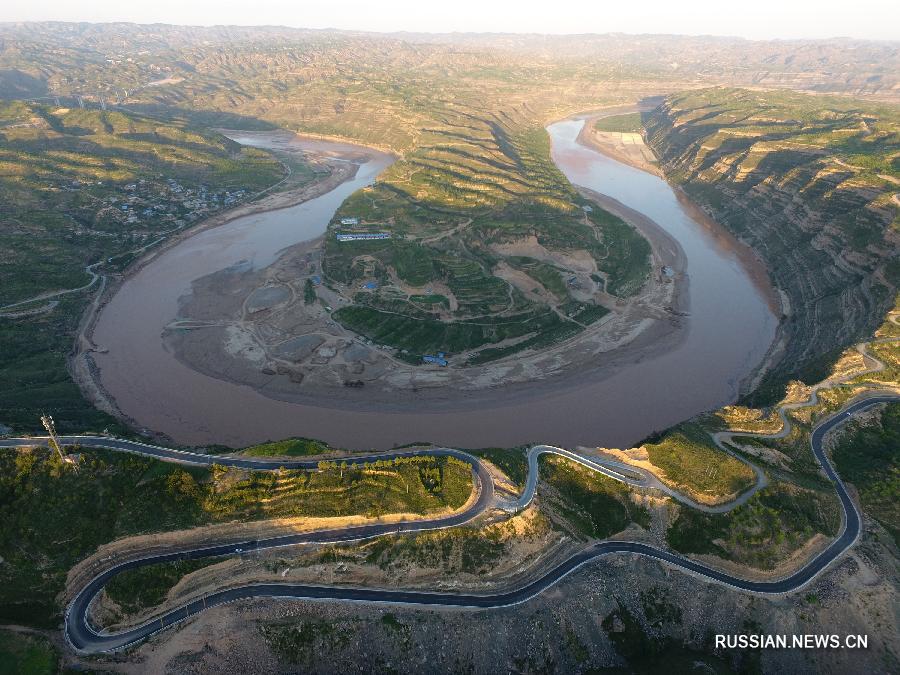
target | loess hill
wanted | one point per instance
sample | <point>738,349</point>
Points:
<point>474,201</point>
<point>489,244</point>
<point>487,235</point>
<point>83,187</point>
<point>76,184</point>
<point>810,183</point>
<point>491,252</point>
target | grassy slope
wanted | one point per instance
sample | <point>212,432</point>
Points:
<point>511,461</point>
<point>765,530</point>
<point>27,655</point>
<point>799,502</point>
<point>869,457</point>
<point>691,461</point>
<point>59,172</point>
<point>34,375</point>
<point>289,447</point>
<point>146,587</point>
<point>52,516</point>
<point>63,178</point>
<point>590,504</point>
<point>628,123</point>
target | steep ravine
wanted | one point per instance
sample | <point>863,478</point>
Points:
<point>771,172</point>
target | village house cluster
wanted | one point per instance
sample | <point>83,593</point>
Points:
<point>162,202</point>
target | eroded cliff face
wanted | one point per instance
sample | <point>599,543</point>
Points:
<point>810,184</point>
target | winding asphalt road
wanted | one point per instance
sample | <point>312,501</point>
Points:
<point>85,638</point>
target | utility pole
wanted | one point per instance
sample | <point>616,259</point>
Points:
<point>47,421</point>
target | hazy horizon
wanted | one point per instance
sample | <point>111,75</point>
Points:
<point>338,29</point>
<point>768,19</point>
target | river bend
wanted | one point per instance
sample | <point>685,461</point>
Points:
<point>730,327</point>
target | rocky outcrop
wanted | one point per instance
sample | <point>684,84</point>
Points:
<point>806,184</point>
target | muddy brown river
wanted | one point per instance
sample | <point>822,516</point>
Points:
<point>730,328</point>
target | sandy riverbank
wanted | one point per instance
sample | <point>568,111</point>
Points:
<point>231,344</point>
<point>81,364</point>
<point>218,335</point>
<point>637,155</point>
<point>612,145</point>
<point>611,391</point>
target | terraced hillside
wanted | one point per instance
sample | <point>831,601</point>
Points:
<point>73,180</point>
<point>82,187</point>
<point>474,186</point>
<point>489,244</point>
<point>468,124</point>
<point>490,250</point>
<point>809,183</point>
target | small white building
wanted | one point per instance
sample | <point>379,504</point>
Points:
<point>362,236</point>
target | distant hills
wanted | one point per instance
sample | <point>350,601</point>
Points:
<point>66,57</point>
<point>466,114</point>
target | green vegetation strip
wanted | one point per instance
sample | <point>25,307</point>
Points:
<point>511,461</point>
<point>627,123</point>
<point>869,457</point>
<point>52,516</point>
<point>594,505</point>
<point>145,587</point>
<point>691,461</point>
<point>290,447</point>
<point>768,528</point>
<point>427,336</point>
<point>24,654</point>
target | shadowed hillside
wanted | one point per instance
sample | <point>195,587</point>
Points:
<point>809,184</point>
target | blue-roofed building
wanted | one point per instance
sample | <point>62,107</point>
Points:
<point>437,360</point>
<point>316,279</point>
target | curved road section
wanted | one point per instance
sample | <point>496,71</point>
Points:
<point>86,639</point>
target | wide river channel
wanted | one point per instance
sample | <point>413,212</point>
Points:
<point>730,328</point>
